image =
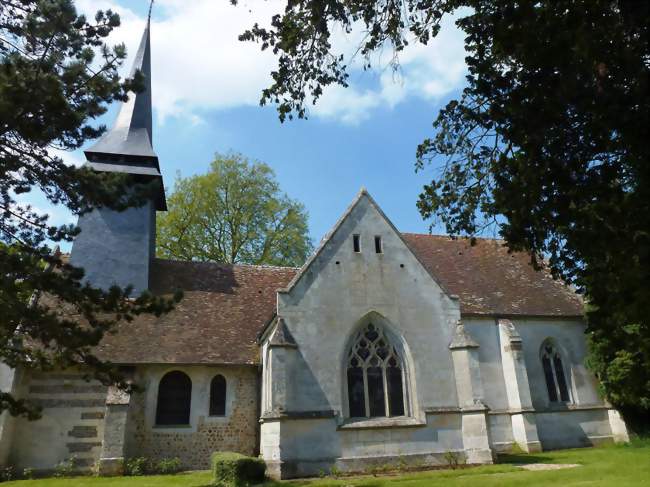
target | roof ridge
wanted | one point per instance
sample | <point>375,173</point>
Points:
<point>457,237</point>
<point>260,266</point>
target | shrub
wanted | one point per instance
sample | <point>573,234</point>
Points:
<point>454,459</point>
<point>516,449</point>
<point>168,466</point>
<point>66,468</point>
<point>7,473</point>
<point>235,470</point>
<point>136,466</point>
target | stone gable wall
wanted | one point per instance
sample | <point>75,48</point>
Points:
<point>193,444</point>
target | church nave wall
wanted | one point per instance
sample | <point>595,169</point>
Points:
<point>72,422</point>
<point>194,442</point>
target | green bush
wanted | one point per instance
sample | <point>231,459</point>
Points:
<point>235,470</point>
<point>66,468</point>
<point>168,466</point>
<point>7,474</point>
<point>136,466</point>
<point>145,466</point>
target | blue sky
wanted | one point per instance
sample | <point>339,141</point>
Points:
<point>206,87</point>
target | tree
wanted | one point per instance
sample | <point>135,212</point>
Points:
<point>52,84</point>
<point>548,140</point>
<point>235,213</point>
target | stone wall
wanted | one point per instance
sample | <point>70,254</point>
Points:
<point>71,425</point>
<point>584,421</point>
<point>193,444</point>
<point>343,290</point>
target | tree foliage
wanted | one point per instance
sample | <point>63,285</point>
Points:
<point>234,213</point>
<point>548,140</point>
<point>56,76</point>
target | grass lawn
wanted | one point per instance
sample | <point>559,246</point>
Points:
<point>618,466</point>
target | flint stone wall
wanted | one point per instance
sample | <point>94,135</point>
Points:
<point>193,444</point>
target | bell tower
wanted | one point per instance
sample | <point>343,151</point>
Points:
<point>117,247</point>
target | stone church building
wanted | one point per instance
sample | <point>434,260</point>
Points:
<point>384,347</point>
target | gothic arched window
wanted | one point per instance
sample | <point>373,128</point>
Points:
<point>375,376</point>
<point>556,383</point>
<point>218,396</point>
<point>174,399</point>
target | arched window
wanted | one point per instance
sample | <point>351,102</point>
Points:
<point>174,399</point>
<point>218,396</point>
<point>556,384</point>
<point>375,379</point>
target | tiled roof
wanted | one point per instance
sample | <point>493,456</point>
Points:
<point>217,321</point>
<point>491,281</point>
<point>226,306</point>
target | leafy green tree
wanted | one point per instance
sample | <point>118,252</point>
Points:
<point>56,75</point>
<point>548,140</point>
<point>234,213</point>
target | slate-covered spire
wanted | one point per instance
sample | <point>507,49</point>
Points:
<point>127,146</point>
<point>117,247</point>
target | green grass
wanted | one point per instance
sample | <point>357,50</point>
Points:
<point>618,466</point>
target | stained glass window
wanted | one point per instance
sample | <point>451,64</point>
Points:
<point>375,376</point>
<point>556,383</point>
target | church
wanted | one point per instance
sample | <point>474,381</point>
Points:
<point>384,348</point>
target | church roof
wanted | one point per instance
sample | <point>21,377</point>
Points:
<point>223,309</point>
<point>491,281</point>
<point>226,306</point>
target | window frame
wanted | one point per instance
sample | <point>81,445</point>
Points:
<point>550,352</point>
<point>223,400</point>
<point>356,243</point>
<point>379,244</point>
<point>401,365</point>
<point>162,402</point>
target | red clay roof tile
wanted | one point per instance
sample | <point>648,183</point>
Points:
<point>223,308</point>
<point>489,280</point>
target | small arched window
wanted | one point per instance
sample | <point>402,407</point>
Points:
<point>174,399</point>
<point>556,383</point>
<point>218,396</point>
<point>375,376</point>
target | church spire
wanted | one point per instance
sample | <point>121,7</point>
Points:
<point>127,147</point>
<point>117,247</point>
<point>149,14</point>
<point>131,134</point>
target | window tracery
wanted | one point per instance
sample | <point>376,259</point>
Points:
<point>375,375</point>
<point>556,383</point>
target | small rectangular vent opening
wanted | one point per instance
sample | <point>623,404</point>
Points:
<point>378,248</point>
<point>356,243</point>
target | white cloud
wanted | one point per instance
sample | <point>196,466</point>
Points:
<point>70,158</point>
<point>199,65</point>
<point>426,72</point>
